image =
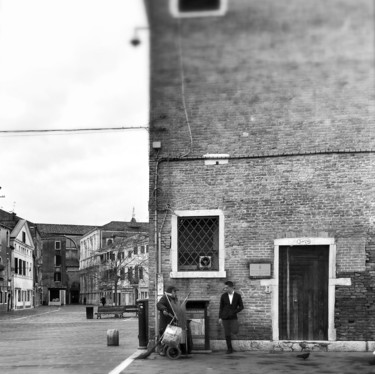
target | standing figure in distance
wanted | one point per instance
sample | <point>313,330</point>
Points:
<point>230,305</point>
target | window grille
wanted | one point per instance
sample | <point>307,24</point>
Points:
<point>197,237</point>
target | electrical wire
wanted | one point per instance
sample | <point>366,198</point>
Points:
<point>182,77</point>
<point>34,132</point>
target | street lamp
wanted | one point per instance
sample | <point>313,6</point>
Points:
<point>135,41</point>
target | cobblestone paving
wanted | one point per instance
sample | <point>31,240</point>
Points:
<point>257,363</point>
<point>61,340</point>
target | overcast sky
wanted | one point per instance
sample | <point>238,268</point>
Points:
<point>69,64</point>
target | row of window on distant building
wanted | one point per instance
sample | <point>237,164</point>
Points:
<point>22,267</point>
<point>133,274</point>
<point>23,295</point>
<point>23,250</point>
<point>142,249</point>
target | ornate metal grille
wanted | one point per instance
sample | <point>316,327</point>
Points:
<point>197,237</point>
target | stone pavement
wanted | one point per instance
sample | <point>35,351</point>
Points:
<point>257,362</point>
<point>58,340</point>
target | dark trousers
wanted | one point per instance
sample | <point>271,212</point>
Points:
<point>230,327</point>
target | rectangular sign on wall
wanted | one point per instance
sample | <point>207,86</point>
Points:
<point>260,270</point>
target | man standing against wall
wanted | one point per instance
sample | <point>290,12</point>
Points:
<point>230,305</point>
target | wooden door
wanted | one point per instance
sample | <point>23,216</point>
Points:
<point>303,293</point>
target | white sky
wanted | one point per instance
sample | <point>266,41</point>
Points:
<point>69,64</point>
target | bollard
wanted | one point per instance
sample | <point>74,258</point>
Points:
<point>89,312</point>
<point>112,337</point>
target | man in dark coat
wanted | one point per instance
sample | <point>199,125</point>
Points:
<point>166,311</point>
<point>230,305</point>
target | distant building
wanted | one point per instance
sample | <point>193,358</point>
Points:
<point>60,268</point>
<point>133,255</point>
<point>112,246</point>
<point>23,258</point>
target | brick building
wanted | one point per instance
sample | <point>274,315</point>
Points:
<point>60,268</point>
<point>262,165</point>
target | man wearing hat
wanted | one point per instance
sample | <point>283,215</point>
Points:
<point>165,307</point>
<point>170,307</point>
<point>230,305</point>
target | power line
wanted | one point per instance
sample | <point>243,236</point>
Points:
<point>42,131</point>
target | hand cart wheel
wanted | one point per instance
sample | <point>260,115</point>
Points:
<point>173,353</point>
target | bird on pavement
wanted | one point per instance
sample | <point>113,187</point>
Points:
<point>304,355</point>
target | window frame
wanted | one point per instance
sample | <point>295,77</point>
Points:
<point>221,273</point>
<point>56,275</point>
<point>173,8</point>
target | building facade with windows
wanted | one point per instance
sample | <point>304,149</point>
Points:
<point>60,269</point>
<point>121,272</point>
<point>23,263</point>
<point>108,266</point>
<point>262,166</point>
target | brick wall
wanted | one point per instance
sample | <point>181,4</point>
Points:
<point>355,305</point>
<point>267,76</point>
<point>273,199</point>
<point>266,79</point>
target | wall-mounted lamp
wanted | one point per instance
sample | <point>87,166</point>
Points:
<point>135,41</point>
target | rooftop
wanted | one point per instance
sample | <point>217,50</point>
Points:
<point>47,229</point>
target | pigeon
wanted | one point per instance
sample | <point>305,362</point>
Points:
<point>304,355</point>
<point>303,345</point>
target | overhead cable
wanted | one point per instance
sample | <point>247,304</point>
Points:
<point>81,130</point>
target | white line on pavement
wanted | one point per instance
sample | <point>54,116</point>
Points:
<point>118,369</point>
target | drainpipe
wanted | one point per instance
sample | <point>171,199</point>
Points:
<point>157,241</point>
<point>157,249</point>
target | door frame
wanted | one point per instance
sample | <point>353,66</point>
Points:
<point>273,284</point>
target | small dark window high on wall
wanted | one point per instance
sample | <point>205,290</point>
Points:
<point>198,5</point>
<point>197,8</point>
